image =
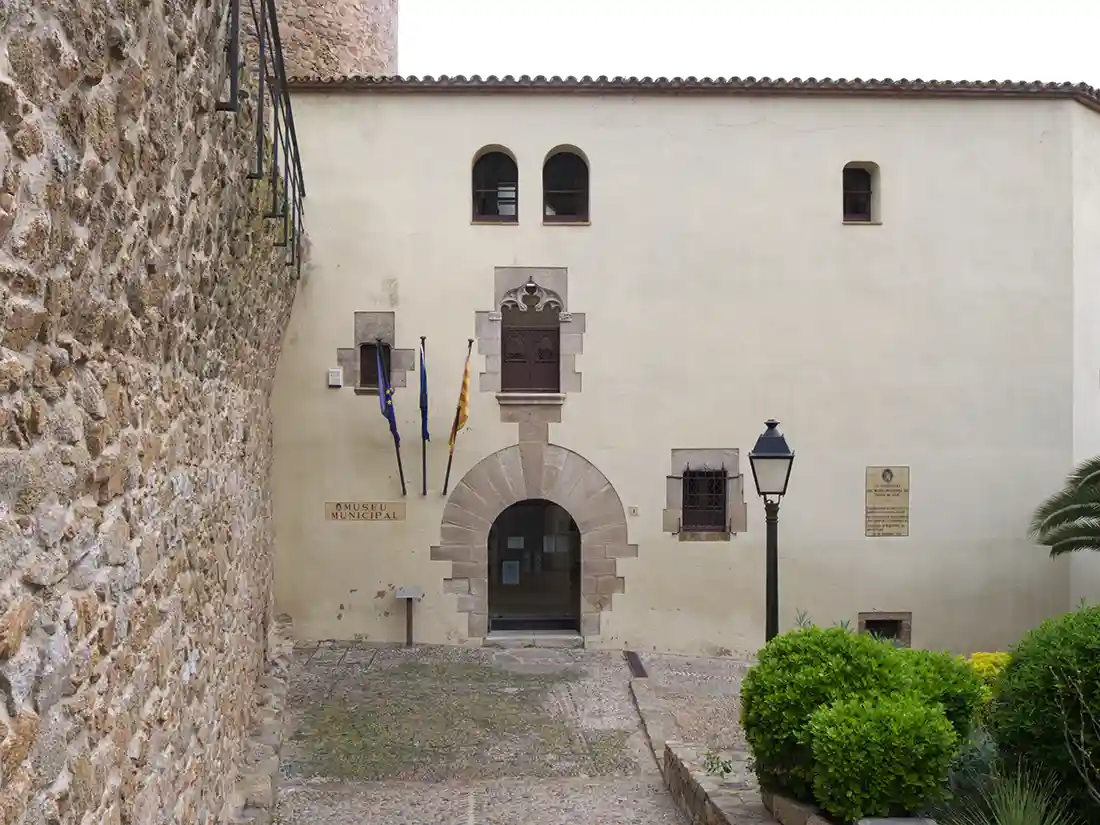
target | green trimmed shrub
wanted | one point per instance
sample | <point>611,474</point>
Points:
<point>1050,692</point>
<point>880,756</point>
<point>952,682</point>
<point>798,672</point>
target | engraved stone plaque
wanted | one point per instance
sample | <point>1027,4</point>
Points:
<point>365,510</point>
<point>886,513</point>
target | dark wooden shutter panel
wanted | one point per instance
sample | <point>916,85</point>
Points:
<point>515,371</point>
<point>545,372</point>
<point>530,344</point>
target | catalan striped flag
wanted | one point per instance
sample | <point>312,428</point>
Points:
<point>463,411</point>
<point>461,414</point>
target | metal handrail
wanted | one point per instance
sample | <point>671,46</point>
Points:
<point>286,177</point>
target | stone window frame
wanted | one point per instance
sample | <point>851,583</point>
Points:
<point>904,618</point>
<point>552,287</point>
<point>370,328</point>
<point>682,459</point>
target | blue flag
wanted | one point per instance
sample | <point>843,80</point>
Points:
<point>423,395</point>
<point>385,398</point>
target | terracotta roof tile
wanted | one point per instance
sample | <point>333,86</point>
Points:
<point>1081,92</point>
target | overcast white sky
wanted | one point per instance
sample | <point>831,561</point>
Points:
<point>1049,40</point>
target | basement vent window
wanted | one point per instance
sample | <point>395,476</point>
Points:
<point>892,627</point>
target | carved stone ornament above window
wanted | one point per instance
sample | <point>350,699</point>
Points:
<point>531,296</point>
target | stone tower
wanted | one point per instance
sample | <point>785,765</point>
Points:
<point>334,38</point>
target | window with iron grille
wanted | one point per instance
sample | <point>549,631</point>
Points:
<point>704,505</point>
<point>368,364</point>
<point>496,188</point>
<point>565,188</point>
<point>858,194</point>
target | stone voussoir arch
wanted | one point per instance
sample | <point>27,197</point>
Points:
<point>533,471</point>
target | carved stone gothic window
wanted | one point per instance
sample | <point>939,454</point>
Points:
<point>531,340</point>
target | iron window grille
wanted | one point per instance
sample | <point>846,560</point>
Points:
<point>704,506</point>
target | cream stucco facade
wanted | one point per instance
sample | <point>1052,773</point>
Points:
<point>715,286</point>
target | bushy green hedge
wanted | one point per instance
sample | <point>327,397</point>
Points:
<point>1053,683</point>
<point>797,673</point>
<point>880,756</point>
<point>951,682</point>
<point>810,669</point>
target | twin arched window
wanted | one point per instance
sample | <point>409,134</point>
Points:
<point>495,184</point>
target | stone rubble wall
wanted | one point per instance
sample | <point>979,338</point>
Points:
<point>337,38</point>
<point>142,307</point>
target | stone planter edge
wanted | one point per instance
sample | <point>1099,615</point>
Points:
<point>789,812</point>
<point>701,797</point>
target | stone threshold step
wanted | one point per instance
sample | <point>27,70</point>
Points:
<point>510,639</point>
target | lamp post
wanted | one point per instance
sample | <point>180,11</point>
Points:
<point>771,460</point>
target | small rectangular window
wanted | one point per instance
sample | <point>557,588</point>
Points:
<point>368,364</point>
<point>704,506</point>
<point>892,627</point>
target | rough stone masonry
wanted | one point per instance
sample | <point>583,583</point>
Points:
<point>142,305</point>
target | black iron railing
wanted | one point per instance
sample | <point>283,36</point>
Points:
<point>276,156</point>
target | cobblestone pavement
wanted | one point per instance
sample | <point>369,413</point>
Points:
<point>381,735</point>
<point>702,695</point>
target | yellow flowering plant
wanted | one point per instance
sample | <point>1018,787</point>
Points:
<point>988,667</point>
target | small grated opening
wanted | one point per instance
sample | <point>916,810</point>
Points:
<point>637,669</point>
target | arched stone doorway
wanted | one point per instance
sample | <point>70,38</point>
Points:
<point>533,470</point>
<point>534,568</point>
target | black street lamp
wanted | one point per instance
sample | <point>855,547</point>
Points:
<point>771,461</point>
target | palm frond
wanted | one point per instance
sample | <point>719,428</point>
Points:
<point>1075,527</point>
<point>1087,472</point>
<point>1074,546</point>
<point>1072,513</point>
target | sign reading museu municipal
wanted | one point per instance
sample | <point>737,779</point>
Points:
<point>365,510</point>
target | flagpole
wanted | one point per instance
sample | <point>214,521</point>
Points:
<point>396,446</point>
<point>423,413</point>
<point>454,427</point>
<point>400,469</point>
